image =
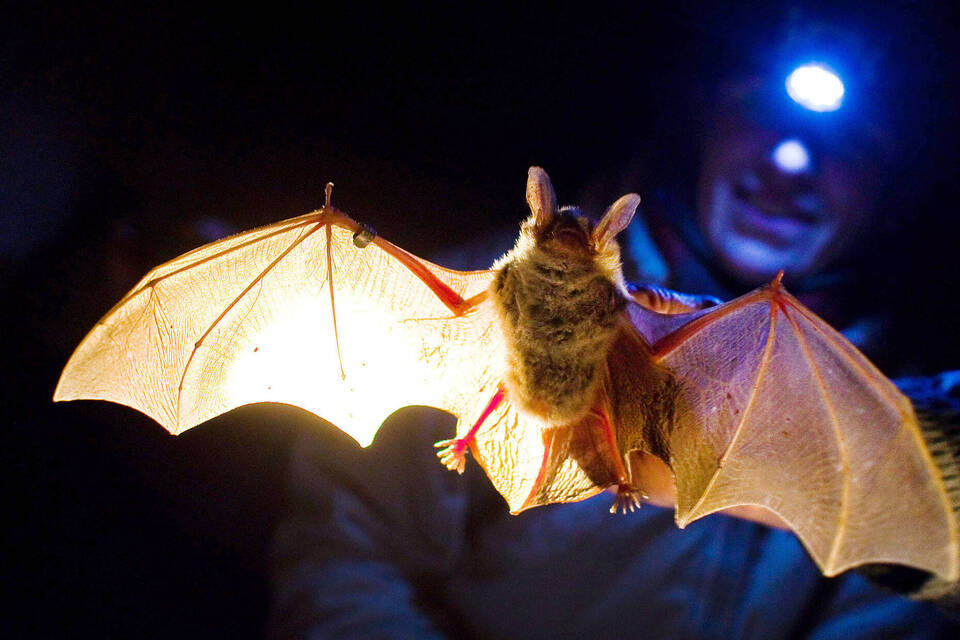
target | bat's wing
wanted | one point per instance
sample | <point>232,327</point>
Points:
<point>533,464</point>
<point>777,409</point>
<point>251,319</point>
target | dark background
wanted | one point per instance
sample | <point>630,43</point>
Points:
<point>129,135</point>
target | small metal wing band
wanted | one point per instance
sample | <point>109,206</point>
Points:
<point>364,236</point>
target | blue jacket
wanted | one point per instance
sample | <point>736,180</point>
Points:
<point>385,542</point>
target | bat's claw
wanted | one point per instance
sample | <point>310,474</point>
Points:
<point>453,453</point>
<point>628,499</point>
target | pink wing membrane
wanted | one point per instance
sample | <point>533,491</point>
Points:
<point>777,409</point>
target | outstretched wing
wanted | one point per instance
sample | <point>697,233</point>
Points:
<point>777,409</point>
<point>294,312</point>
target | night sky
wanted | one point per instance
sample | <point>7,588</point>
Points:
<point>426,121</point>
<point>128,136</point>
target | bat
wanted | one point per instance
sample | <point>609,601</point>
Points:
<point>563,378</point>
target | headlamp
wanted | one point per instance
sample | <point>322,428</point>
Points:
<point>815,87</point>
<point>821,89</point>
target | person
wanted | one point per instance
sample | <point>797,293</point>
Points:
<point>384,542</point>
<point>835,189</point>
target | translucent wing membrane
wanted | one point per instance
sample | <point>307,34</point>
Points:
<point>777,409</point>
<point>249,319</point>
<point>532,463</point>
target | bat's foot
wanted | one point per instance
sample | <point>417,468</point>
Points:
<point>628,499</point>
<point>453,453</point>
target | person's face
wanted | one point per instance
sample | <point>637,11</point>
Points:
<point>759,217</point>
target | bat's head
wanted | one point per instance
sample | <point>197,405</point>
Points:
<point>567,238</point>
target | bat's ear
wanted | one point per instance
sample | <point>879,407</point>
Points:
<point>616,219</point>
<point>540,197</point>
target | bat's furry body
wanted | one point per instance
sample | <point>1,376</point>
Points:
<point>558,311</point>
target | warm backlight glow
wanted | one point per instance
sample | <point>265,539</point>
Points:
<point>294,361</point>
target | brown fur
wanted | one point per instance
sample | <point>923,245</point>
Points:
<point>558,307</point>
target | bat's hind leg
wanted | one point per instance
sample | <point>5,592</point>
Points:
<point>453,453</point>
<point>628,497</point>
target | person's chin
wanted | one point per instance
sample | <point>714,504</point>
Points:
<point>753,261</point>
